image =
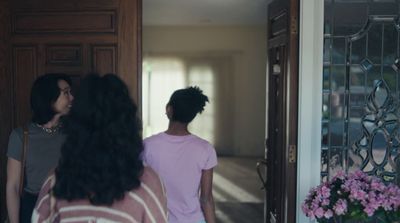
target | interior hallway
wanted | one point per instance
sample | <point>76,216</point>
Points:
<point>237,193</point>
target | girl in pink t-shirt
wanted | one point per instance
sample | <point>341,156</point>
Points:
<point>184,161</point>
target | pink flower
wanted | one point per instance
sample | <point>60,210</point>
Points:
<point>355,191</point>
<point>340,207</point>
<point>328,214</point>
<point>319,213</point>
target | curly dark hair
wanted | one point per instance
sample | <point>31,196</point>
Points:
<point>44,93</point>
<point>186,103</point>
<point>100,159</point>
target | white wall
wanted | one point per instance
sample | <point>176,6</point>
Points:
<point>247,48</point>
<point>310,99</point>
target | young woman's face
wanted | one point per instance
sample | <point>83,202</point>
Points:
<point>64,100</point>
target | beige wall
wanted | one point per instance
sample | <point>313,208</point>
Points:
<point>244,132</point>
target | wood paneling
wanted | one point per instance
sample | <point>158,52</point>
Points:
<point>130,47</point>
<point>104,59</point>
<point>64,22</point>
<point>64,55</point>
<point>24,73</point>
<point>5,98</point>
<point>73,37</point>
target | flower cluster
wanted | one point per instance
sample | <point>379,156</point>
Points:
<point>356,196</point>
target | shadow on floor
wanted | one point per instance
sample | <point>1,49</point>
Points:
<point>237,193</point>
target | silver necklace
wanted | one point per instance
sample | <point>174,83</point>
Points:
<point>49,130</point>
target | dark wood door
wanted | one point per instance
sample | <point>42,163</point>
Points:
<point>281,144</point>
<point>74,37</point>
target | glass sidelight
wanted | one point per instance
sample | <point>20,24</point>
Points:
<point>361,88</point>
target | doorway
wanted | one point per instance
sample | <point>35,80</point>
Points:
<point>222,49</point>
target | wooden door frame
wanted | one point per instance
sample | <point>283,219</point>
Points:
<point>288,36</point>
<point>6,104</point>
<point>130,36</point>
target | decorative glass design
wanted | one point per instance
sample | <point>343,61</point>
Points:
<point>377,151</point>
<point>361,88</point>
<point>396,65</point>
<point>366,64</point>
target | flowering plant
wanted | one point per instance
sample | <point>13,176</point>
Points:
<point>355,196</point>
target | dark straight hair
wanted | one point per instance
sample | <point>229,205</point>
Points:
<point>44,94</point>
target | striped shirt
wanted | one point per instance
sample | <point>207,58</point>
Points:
<point>145,204</point>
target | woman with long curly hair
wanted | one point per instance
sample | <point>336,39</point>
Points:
<point>100,176</point>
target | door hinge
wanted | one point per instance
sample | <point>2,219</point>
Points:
<point>292,153</point>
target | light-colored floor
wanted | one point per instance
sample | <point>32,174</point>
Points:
<point>237,191</point>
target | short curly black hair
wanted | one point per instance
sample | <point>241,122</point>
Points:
<point>186,103</point>
<point>44,93</point>
<point>100,159</point>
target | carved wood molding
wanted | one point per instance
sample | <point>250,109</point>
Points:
<point>63,54</point>
<point>104,59</point>
<point>64,22</point>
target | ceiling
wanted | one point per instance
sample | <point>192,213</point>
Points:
<point>204,12</point>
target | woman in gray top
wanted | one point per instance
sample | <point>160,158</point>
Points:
<point>50,99</point>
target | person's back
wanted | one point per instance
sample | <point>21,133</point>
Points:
<point>179,160</point>
<point>184,161</point>
<point>100,176</point>
<point>142,204</point>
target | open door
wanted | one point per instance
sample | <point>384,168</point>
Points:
<point>281,143</point>
<point>73,37</point>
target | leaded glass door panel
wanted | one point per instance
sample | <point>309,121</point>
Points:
<point>360,123</point>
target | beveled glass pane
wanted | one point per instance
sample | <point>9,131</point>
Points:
<point>327,50</point>
<point>354,162</point>
<point>338,51</point>
<point>325,134</point>
<point>357,99</point>
<point>357,76</point>
<point>369,167</point>
<point>379,147</point>
<point>373,76</point>
<point>357,112</point>
<point>390,77</point>
<point>381,95</point>
<point>326,106</point>
<point>375,44</point>
<point>389,168</point>
<point>337,132</point>
<point>335,161</point>
<point>326,78</point>
<point>355,127</point>
<point>324,160</point>
<point>358,50</point>
<point>337,100</point>
<point>396,64</point>
<point>392,127</point>
<point>350,17</point>
<point>366,64</point>
<point>338,77</point>
<point>327,16</point>
<point>389,46</point>
<point>369,125</point>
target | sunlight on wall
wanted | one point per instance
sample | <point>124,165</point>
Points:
<point>203,124</point>
<point>161,77</point>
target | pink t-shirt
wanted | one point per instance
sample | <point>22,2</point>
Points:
<point>179,160</point>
